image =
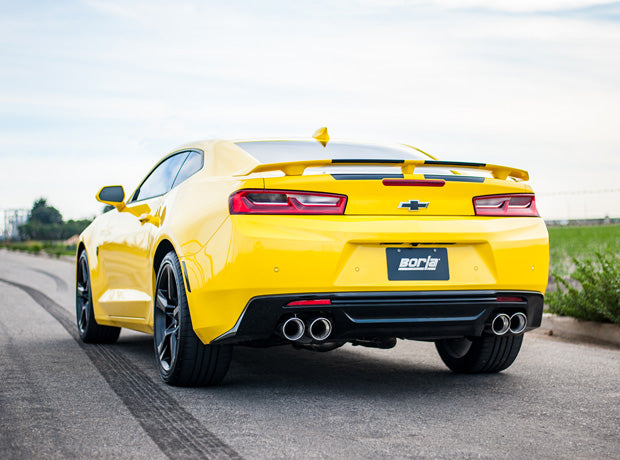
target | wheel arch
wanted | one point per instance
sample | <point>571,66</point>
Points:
<point>163,247</point>
<point>81,247</point>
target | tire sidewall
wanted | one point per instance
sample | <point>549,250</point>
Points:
<point>487,354</point>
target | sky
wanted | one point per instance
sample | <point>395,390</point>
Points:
<point>95,92</point>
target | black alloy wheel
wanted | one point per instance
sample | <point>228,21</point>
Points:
<point>166,317</point>
<point>182,359</point>
<point>88,329</point>
<point>82,295</point>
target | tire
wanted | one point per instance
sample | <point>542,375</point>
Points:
<point>182,359</point>
<point>480,355</point>
<point>88,329</point>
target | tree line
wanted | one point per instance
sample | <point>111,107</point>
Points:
<point>45,223</point>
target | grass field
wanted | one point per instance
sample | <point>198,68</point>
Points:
<point>36,247</point>
<point>581,242</point>
<point>587,260</point>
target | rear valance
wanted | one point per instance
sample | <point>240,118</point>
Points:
<point>297,168</point>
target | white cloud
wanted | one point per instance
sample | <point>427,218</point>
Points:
<point>519,6</point>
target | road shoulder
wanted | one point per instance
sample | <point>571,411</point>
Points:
<point>578,330</point>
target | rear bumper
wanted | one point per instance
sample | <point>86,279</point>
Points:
<point>250,257</point>
<point>423,315</point>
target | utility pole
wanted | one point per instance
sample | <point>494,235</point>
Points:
<point>12,219</point>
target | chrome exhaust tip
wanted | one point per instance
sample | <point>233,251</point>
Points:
<point>500,324</point>
<point>293,329</point>
<point>320,328</point>
<point>518,323</point>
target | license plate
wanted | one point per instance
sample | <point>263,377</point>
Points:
<point>417,264</point>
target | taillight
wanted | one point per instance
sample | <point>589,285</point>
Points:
<point>505,205</point>
<point>259,201</point>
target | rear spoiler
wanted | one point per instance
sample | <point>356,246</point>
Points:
<point>297,168</point>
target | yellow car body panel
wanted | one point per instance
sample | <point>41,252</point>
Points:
<point>232,259</point>
<point>265,255</point>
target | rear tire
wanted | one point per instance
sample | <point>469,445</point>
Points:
<point>88,329</point>
<point>479,355</point>
<point>182,359</point>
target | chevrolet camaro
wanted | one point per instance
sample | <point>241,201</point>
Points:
<point>314,243</point>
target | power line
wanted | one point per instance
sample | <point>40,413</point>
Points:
<point>581,192</point>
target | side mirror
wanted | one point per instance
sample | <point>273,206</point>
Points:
<point>112,194</point>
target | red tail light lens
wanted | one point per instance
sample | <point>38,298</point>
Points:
<point>285,202</point>
<point>509,299</point>
<point>506,205</point>
<point>415,182</point>
<point>306,303</point>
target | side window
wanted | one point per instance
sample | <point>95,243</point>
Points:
<point>192,165</point>
<point>161,178</point>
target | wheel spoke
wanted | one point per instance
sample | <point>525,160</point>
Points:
<point>85,281</point>
<point>171,330</point>
<point>84,271</point>
<point>161,349</point>
<point>161,302</point>
<point>173,348</point>
<point>83,317</point>
<point>171,286</point>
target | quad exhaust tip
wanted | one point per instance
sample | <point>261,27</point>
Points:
<point>293,329</point>
<point>502,323</point>
<point>518,323</point>
<point>320,329</point>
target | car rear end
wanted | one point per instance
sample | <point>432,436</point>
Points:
<point>372,245</point>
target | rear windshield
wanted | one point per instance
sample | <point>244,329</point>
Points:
<point>284,151</point>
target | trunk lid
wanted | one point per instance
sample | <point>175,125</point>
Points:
<point>397,194</point>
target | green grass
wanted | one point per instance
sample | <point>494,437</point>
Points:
<point>585,265</point>
<point>36,247</point>
<point>591,292</point>
<point>580,242</point>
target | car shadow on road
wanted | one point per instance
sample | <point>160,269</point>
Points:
<point>345,371</point>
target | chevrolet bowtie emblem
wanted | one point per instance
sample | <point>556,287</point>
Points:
<point>413,205</point>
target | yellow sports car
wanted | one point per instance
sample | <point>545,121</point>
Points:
<point>314,243</point>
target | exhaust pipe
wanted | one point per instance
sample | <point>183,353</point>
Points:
<point>320,328</point>
<point>518,323</point>
<point>500,324</point>
<point>292,329</point>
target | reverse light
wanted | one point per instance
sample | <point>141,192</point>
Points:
<point>258,201</point>
<point>506,205</point>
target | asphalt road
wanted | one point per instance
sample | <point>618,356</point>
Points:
<point>62,399</point>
